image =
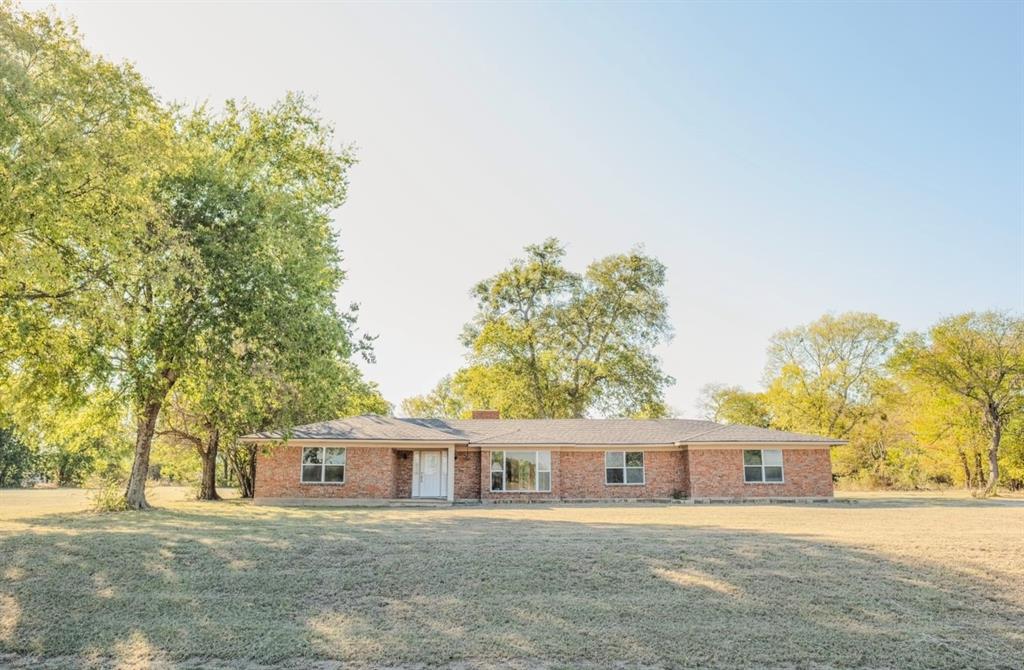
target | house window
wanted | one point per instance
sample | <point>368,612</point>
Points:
<point>762,465</point>
<point>623,467</point>
<point>521,471</point>
<point>323,465</point>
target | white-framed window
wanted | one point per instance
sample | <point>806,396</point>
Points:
<point>521,471</point>
<point>762,466</point>
<point>323,465</point>
<point>623,467</point>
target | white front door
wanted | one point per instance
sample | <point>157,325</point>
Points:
<point>429,474</point>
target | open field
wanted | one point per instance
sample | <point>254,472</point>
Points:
<point>886,582</point>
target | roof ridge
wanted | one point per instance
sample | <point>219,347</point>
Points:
<point>718,426</point>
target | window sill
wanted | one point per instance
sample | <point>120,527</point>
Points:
<point>626,484</point>
<point>768,483</point>
<point>519,491</point>
<point>322,483</point>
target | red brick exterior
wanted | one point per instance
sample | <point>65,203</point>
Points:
<point>383,472</point>
<point>369,473</point>
<point>402,472</point>
<point>467,474</point>
<point>718,473</point>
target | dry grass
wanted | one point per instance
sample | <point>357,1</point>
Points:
<point>888,582</point>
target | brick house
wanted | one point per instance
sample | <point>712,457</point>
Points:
<point>517,460</point>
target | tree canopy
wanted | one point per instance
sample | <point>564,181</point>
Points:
<point>547,342</point>
<point>977,358</point>
<point>942,406</point>
<point>147,246</point>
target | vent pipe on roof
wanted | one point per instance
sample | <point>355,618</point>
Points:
<point>486,414</point>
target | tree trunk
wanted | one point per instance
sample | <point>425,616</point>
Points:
<point>968,479</point>
<point>993,458</point>
<point>135,495</point>
<point>243,462</point>
<point>208,485</point>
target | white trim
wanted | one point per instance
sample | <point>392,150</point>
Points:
<point>407,444</point>
<point>415,474</point>
<point>495,446</point>
<point>759,445</point>
<point>595,446</point>
<point>451,474</point>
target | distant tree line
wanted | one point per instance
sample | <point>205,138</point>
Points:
<point>941,407</point>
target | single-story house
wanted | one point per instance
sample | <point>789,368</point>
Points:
<point>490,459</point>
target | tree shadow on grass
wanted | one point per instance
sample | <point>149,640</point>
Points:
<point>291,587</point>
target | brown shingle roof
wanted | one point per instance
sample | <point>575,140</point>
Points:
<point>548,432</point>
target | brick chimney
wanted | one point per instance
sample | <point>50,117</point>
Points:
<point>486,414</point>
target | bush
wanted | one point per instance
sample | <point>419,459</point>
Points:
<point>109,496</point>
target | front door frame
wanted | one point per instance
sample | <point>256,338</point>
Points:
<point>445,476</point>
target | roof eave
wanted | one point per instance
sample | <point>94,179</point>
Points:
<point>779,443</point>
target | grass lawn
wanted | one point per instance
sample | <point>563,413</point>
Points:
<point>886,582</point>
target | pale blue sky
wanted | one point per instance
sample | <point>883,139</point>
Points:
<point>782,160</point>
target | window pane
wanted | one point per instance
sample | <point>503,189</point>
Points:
<point>544,461</point>
<point>310,473</point>
<point>312,455</point>
<point>635,459</point>
<point>772,456</point>
<point>751,458</point>
<point>614,459</point>
<point>544,479</point>
<point>613,475</point>
<point>752,473</point>
<point>634,475</point>
<point>335,456</point>
<point>521,471</point>
<point>772,473</point>
<point>497,461</point>
<point>496,481</point>
<point>334,473</point>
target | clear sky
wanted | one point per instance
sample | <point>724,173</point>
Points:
<point>782,160</point>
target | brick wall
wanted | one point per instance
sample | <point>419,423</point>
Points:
<point>369,473</point>
<point>718,473</point>
<point>582,475</point>
<point>381,472</point>
<point>467,474</point>
<point>403,473</point>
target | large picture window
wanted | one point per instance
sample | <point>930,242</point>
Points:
<point>521,471</point>
<point>623,467</point>
<point>762,465</point>
<point>323,465</point>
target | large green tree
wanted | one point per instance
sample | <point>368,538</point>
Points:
<point>548,342</point>
<point>140,244</point>
<point>978,358</point>
<point>243,258</point>
<point>826,376</point>
<point>83,142</point>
